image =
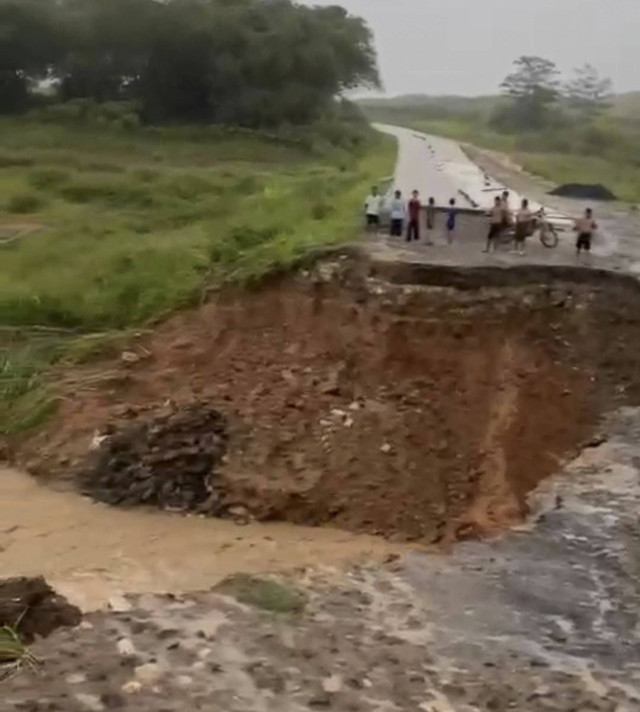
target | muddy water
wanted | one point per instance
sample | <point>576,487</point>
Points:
<point>91,552</point>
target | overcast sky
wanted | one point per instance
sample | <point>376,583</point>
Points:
<point>467,46</point>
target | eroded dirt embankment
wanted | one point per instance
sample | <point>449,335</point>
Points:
<point>416,411</point>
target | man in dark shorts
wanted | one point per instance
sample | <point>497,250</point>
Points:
<point>585,227</point>
<point>415,206</point>
<point>398,214</point>
<point>496,224</point>
<point>431,219</point>
<point>524,220</point>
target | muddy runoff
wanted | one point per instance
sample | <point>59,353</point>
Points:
<point>413,402</point>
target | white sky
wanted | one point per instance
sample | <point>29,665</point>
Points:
<point>467,46</point>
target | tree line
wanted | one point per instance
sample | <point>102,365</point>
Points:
<point>537,94</point>
<point>253,63</point>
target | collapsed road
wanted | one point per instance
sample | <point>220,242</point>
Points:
<point>433,403</point>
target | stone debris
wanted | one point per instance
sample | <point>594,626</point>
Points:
<point>169,461</point>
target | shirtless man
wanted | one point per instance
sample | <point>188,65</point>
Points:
<point>496,220</point>
<point>507,215</point>
<point>524,218</point>
<point>585,227</point>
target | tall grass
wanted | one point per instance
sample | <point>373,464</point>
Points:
<point>134,228</point>
<point>14,655</point>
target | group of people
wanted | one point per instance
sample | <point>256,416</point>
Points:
<point>405,220</point>
<point>525,222</point>
<point>405,215</point>
<point>501,218</point>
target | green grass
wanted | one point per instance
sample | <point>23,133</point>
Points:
<point>266,594</point>
<point>135,225</point>
<point>623,180</point>
<point>13,654</point>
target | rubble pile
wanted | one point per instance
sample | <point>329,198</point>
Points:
<point>168,461</point>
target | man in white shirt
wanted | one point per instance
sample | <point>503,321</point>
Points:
<point>398,214</point>
<point>372,209</point>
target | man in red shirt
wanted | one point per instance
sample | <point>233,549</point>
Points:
<point>415,206</point>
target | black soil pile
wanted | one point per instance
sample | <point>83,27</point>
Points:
<point>168,461</point>
<point>33,608</point>
<point>583,191</point>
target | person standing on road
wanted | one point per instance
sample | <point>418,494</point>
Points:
<point>431,219</point>
<point>452,216</point>
<point>398,214</point>
<point>372,210</point>
<point>585,227</point>
<point>524,220</point>
<point>415,208</point>
<point>507,215</point>
<point>496,224</point>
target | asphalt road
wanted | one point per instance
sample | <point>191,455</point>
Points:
<point>438,167</point>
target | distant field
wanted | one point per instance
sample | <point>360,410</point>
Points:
<point>607,151</point>
<point>128,227</point>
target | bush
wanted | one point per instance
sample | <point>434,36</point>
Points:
<point>11,160</point>
<point>25,203</point>
<point>47,178</point>
<point>116,193</point>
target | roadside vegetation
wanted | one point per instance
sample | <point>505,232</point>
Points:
<point>145,162</point>
<point>130,226</point>
<point>575,131</point>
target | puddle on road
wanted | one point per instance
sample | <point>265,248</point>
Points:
<point>89,552</point>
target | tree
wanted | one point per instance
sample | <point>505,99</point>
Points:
<point>588,92</point>
<point>29,44</point>
<point>533,88</point>
<point>256,63</point>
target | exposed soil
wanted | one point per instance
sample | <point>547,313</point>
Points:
<point>412,411</point>
<point>32,608</point>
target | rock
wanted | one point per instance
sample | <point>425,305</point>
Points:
<point>596,441</point>
<point>240,515</point>
<point>97,441</point>
<point>76,678</point>
<point>148,674</point>
<point>38,608</point>
<point>90,702</point>
<point>112,701</point>
<point>184,680</point>
<point>168,460</point>
<point>119,604</point>
<point>126,647</point>
<point>386,449</point>
<point>132,687</point>
<point>320,701</point>
<point>129,357</point>
<point>332,685</point>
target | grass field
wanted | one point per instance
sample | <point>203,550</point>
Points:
<point>128,227</point>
